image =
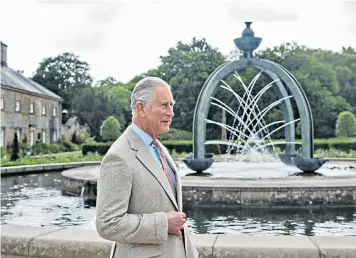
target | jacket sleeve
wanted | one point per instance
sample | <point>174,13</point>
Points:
<point>113,222</point>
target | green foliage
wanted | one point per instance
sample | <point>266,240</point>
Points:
<point>15,149</point>
<point>186,68</point>
<point>186,146</point>
<point>176,134</point>
<point>40,148</point>
<point>106,82</point>
<point>110,129</point>
<point>94,113</point>
<point>328,79</point>
<point>52,158</point>
<point>324,76</point>
<point>3,153</point>
<point>80,137</point>
<point>48,148</point>
<point>68,146</point>
<point>334,153</point>
<point>100,148</point>
<point>65,75</point>
<point>346,124</point>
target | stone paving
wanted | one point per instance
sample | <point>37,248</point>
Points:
<point>26,241</point>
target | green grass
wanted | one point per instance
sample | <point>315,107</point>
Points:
<point>64,157</point>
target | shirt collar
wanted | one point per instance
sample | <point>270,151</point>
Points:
<point>146,138</point>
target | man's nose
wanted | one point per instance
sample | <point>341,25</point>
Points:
<point>170,111</point>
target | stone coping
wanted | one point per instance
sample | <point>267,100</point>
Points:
<point>8,171</point>
<point>26,169</point>
<point>27,241</point>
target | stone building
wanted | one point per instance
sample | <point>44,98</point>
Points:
<point>73,126</point>
<point>27,108</point>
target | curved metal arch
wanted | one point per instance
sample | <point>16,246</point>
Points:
<point>273,70</point>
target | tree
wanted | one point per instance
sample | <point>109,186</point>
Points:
<point>110,129</point>
<point>64,75</point>
<point>106,82</point>
<point>186,68</point>
<point>92,105</point>
<point>316,71</point>
<point>346,124</point>
<point>15,149</point>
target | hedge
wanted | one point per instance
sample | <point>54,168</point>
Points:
<point>100,148</point>
<point>187,147</point>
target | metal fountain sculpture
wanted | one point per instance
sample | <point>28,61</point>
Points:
<point>282,80</point>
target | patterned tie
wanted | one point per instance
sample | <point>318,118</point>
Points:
<point>165,166</point>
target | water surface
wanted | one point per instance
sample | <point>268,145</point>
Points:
<point>36,200</point>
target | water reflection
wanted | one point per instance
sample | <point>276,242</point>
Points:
<point>36,200</point>
<point>269,221</point>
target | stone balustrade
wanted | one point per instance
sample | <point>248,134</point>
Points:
<point>25,241</point>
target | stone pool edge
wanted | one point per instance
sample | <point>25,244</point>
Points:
<point>26,169</point>
<point>26,241</point>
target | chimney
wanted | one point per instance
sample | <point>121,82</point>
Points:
<point>3,54</point>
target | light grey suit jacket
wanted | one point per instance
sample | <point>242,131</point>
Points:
<point>133,196</point>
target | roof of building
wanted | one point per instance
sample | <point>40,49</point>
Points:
<point>16,80</point>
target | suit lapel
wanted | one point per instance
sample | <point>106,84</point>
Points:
<point>145,156</point>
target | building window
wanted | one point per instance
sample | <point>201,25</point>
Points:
<point>32,105</point>
<point>2,104</point>
<point>44,110</point>
<point>44,136</point>
<point>54,136</point>
<point>2,137</point>
<point>54,111</point>
<point>18,105</point>
<point>18,132</point>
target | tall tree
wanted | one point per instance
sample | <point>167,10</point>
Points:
<point>109,81</point>
<point>92,106</point>
<point>64,74</point>
<point>186,68</point>
<point>316,71</point>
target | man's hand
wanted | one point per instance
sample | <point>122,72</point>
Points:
<point>176,222</point>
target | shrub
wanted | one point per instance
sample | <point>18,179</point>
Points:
<point>68,146</point>
<point>346,124</point>
<point>80,138</point>
<point>40,148</point>
<point>15,149</point>
<point>110,129</point>
<point>3,152</point>
<point>176,134</point>
<point>100,148</point>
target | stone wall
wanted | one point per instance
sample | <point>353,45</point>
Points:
<point>25,241</point>
<point>10,120</point>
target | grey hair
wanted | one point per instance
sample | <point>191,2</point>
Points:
<point>143,91</point>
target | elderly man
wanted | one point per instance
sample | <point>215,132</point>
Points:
<point>139,200</point>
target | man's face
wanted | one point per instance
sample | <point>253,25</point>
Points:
<point>160,113</point>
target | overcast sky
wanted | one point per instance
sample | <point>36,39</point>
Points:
<point>125,38</point>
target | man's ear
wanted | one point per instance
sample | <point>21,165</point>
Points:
<point>140,109</point>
